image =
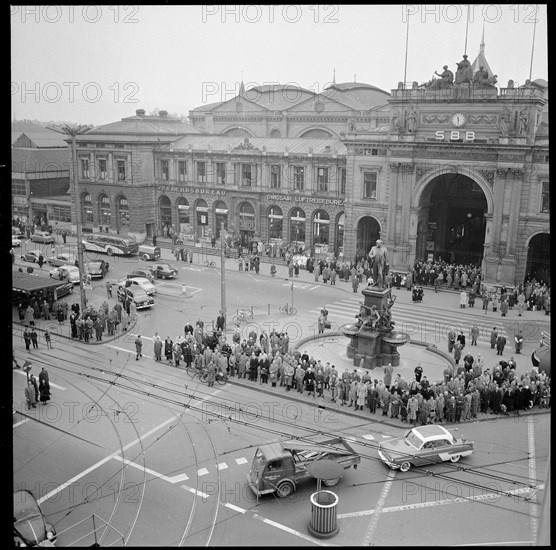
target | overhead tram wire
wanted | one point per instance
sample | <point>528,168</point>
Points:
<point>221,416</point>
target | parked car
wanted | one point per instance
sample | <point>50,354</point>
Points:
<point>62,259</point>
<point>146,272</point>
<point>135,294</point>
<point>68,273</point>
<point>141,282</point>
<point>31,256</point>
<point>98,269</point>
<point>149,252</point>
<point>165,271</point>
<point>42,237</point>
<point>423,445</point>
<point>16,232</point>
<point>15,241</point>
<point>30,526</point>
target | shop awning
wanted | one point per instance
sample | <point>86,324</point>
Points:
<point>29,283</point>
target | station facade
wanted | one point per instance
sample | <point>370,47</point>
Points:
<point>457,171</point>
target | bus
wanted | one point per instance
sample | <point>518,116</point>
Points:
<point>110,244</point>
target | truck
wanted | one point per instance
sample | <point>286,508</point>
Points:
<point>278,467</point>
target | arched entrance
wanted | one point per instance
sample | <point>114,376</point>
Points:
<point>368,231</point>
<point>220,217</point>
<point>165,208</point>
<point>184,219</point>
<point>451,221</point>
<point>340,226</point>
<point>246,223</point>
<point>538,258</point>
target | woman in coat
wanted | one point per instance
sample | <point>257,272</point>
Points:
<point>309,380</point>
<point>361,392</point>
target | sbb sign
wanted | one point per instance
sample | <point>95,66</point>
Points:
<point>454,135</point>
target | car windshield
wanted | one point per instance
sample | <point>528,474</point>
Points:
<point>414,440</point>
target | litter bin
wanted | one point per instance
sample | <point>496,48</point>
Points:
<point>323,514</point>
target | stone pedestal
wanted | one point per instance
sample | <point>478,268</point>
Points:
<point>370,348</point>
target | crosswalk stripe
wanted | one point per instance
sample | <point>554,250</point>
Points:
<point>222,466</point>
<point>369,437</point>
<point>241,460</point>
<point>202,472</point>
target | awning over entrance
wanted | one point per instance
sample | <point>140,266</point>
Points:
<point>29,283</point>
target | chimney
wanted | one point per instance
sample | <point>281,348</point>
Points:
<point>140,112</point>
<point>162,113</point>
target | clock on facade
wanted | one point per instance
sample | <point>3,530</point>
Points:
<point>459,120</point>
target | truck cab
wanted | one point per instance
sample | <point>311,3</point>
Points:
<point>279,467</point>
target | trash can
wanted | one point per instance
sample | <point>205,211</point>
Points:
<point>323,514</point>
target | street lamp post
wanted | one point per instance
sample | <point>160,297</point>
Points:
<point>223,272</point>
<point>73,131</point>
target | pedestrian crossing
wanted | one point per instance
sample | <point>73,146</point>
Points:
<point>424,324</point>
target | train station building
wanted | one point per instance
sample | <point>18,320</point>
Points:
<point>455,168</point>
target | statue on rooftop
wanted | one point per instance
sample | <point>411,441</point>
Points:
<point>464,72</point>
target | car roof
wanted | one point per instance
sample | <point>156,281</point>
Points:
<point>142,279</point>
<point>432,432</point>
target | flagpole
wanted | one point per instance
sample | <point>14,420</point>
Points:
<point>466,30</point>
<point>533,44</point>
<point>406,47</point>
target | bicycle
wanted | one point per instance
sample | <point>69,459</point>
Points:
<point>243,315</point>
<point>290,310</point>
<point>201,373</point>
<point>210,263</point>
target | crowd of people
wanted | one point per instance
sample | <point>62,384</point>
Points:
<point>265,359</point>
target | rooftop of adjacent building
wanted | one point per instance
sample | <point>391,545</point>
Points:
<point>42,160</point>
<point>294,146</point>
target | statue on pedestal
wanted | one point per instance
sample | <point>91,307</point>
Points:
<point>464,74</point>
<point>379,258</point>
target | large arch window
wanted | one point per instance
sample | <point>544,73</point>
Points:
<point>165,207</point>
<point>220,217</point>
<point>201,211</point>
<point>275,223</point>
<point>297,225</point>
<point>105,214</point>
<point>321,227</point>
<point>123,212</point>
<point>87,208</point>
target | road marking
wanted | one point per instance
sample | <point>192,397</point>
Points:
<point>235,508</point>
<point>222,466</point>
<point>369,436</point>
<point>373,524</point>
<point>432,504</point>
<point>174,479</point>
<point>131,352</point>
<point>52,385</point>
<point>195,491</point>
<point>202,472</point>
<point>313,287</point>
<point>241,460</point>
<point>103,461</point>
<point>290,530</point>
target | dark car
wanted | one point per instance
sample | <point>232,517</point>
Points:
<point>423,445</point>
<point>31,256</point>
<point>135,294</point>
<point>147,272</point>
<point>98,269</point>
<point>30,527</point>
<point>164,271</point>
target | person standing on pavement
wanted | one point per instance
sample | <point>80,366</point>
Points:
<point>493,338</point>
<point>34,338</point>
<point>30,395</point>
<point>388,370</point>
<point>418,372</point>
<point>138,347</point>
<point>451,339</point>
<point>48,339</point>
<point>500,344</point>
<point>157,343</point>
<point>518,341</point>
<point>474,334</point>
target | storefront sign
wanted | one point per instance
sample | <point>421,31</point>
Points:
<point>221,210</point>
<point>202,208</point>
<point>246,224</point>
<point>183,206</point>
<point>192,190</point>
<point>313,200</point>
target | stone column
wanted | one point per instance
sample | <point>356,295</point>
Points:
<point>392,201</point>
<point>515,183</point>
<point>499,185</point>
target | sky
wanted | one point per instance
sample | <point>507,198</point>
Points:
<point>98,64</point>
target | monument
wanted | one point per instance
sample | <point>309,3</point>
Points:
<point>372,337</point>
